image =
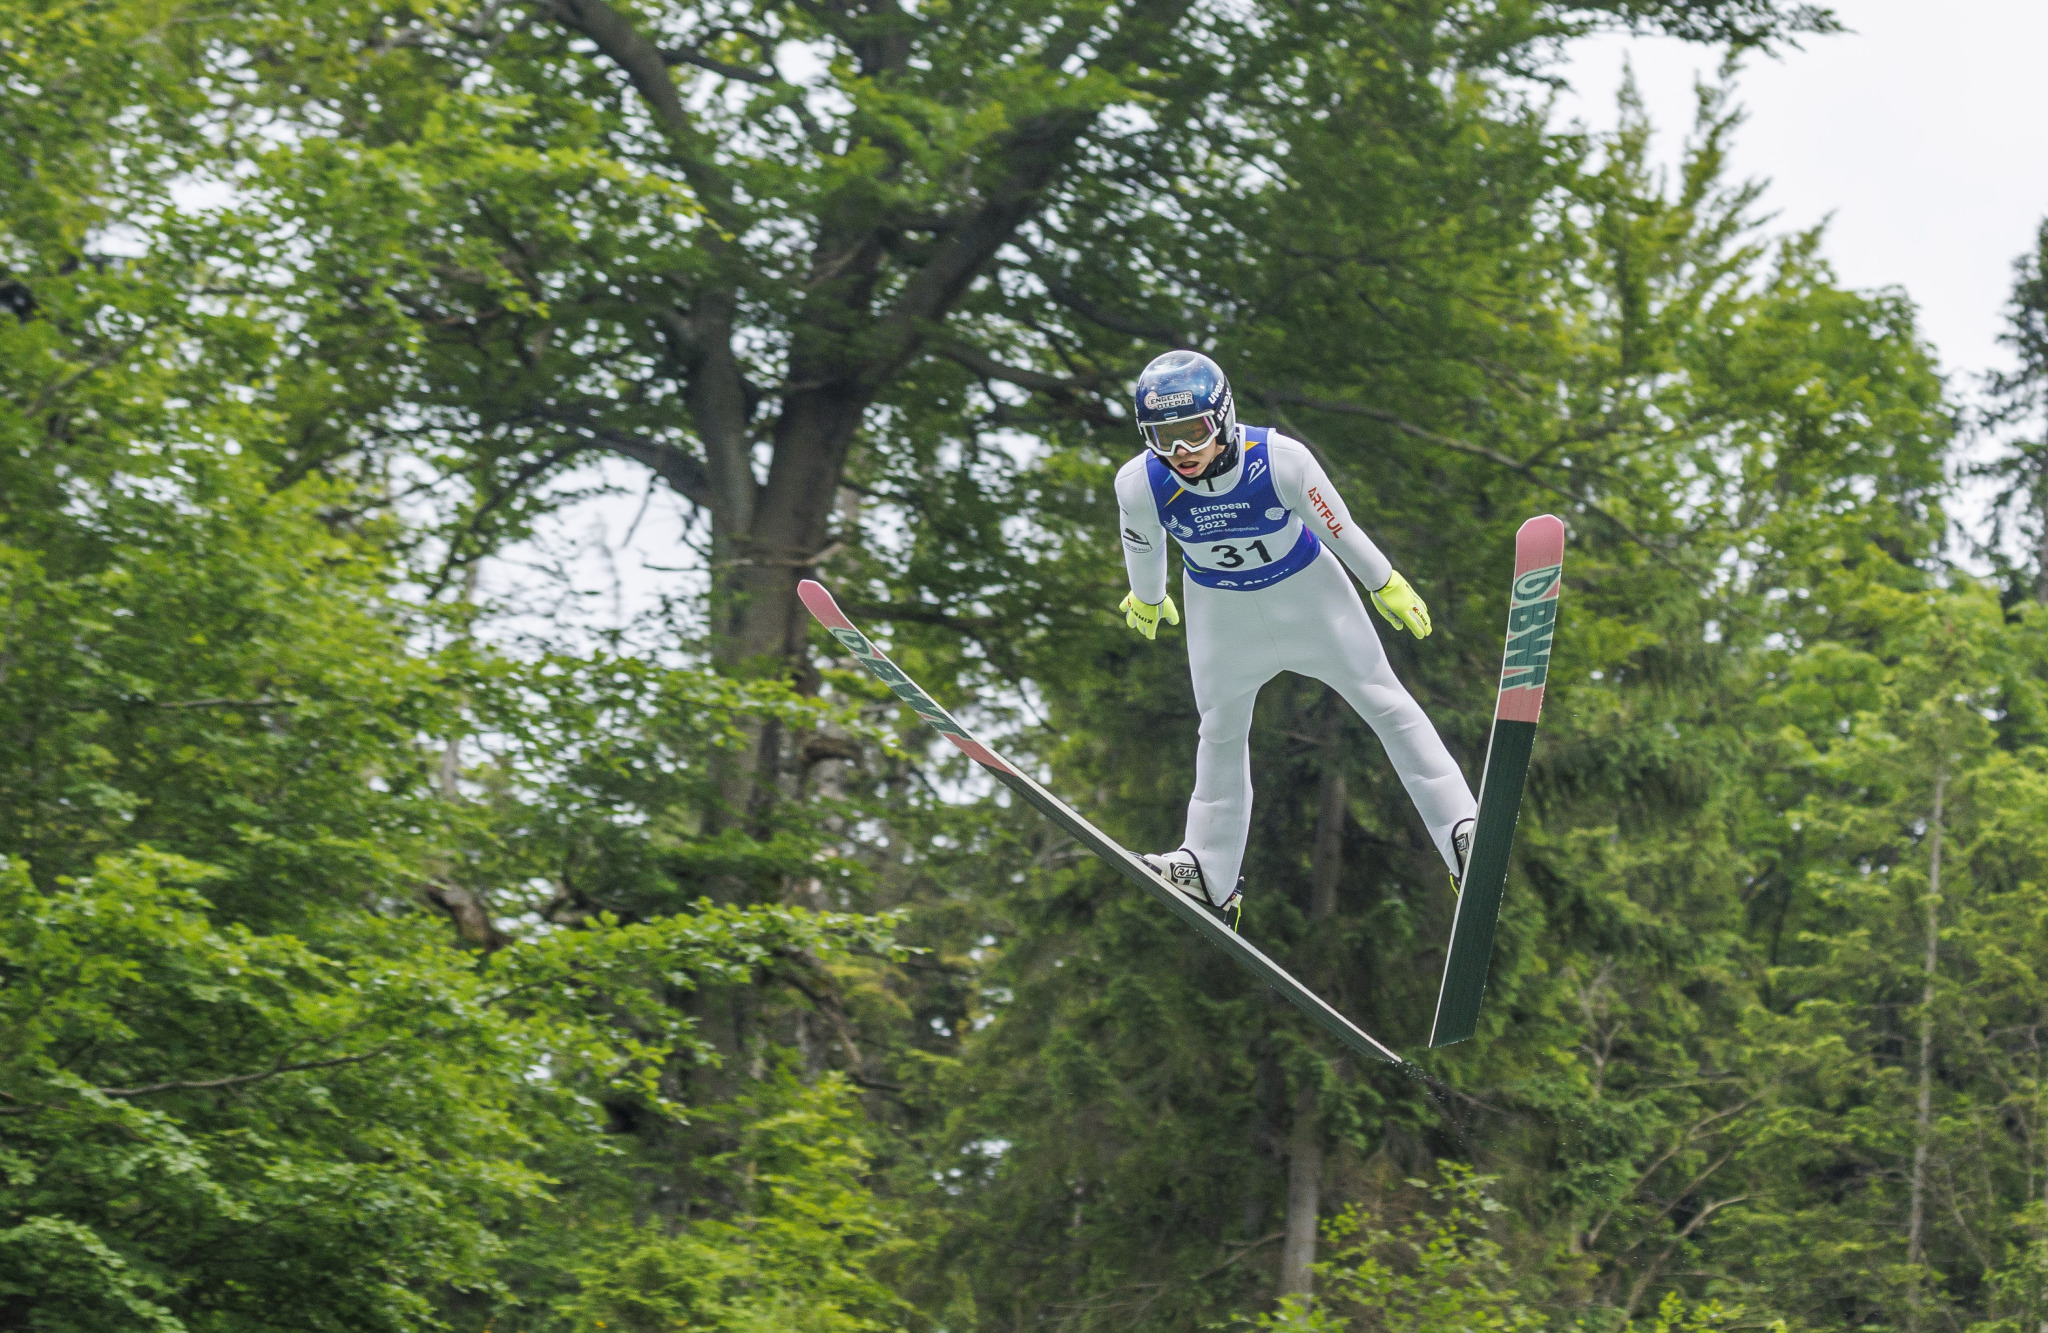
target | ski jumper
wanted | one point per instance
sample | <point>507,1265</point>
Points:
<point>1265,592</point>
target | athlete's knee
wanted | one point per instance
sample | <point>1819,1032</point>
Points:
<point>1225,728</point>
<point>1389,707</point>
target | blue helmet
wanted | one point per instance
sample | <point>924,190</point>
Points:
<point>1187,386</point>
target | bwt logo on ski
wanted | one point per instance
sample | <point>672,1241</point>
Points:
<point>1155,399</point>
<point>1531,622</point>
<point>902,686</point>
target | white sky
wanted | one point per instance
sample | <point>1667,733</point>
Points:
<point>1921,136</point>
<point>1923,132</point>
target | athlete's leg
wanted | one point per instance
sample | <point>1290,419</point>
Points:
<point>1331,637</point>
<point>1230,655</point>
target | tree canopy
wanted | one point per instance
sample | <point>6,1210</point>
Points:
<point>365,965</point>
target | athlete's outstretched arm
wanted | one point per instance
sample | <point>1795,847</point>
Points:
<point>1305,488</point>
<point>1144,540</point>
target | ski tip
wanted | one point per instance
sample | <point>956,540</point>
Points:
<point>1546,530</point>
<point>820,604</point>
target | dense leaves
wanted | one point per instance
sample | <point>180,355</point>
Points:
<point>370,965</point>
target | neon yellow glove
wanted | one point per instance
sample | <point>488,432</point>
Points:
<point>1402,608</point>
<point>1144,617</point>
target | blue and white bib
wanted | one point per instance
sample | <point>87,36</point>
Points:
<point>1240,541</point>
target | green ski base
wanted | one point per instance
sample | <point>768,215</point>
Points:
<point>1525,669</point>
<point>1486,877</point>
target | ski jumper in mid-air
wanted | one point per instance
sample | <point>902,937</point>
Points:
<point>1265,541</point>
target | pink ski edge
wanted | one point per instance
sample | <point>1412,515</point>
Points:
<point>981,754</point>
<point>819,603</point>
<point>1539,544</point>
<point>818,600</point>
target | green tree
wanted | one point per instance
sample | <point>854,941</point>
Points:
<point>245,1066</point>
<point>2019,399</point>
<point>695,234</point>
<point>200,1124</point>
<point>1732,429</point>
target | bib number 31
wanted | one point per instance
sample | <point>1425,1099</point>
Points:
<point>1229,557</point>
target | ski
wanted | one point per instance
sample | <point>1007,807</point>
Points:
<point>827,611</point>
<point>1532,620</point>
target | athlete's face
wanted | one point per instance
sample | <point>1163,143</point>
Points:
<point>1189,465</point>
<point>1177,435</point>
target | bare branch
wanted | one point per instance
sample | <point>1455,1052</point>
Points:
<point>647,68</point>
<point>1034,151</point>
<point>691,56</point>
<point>681,470</point>
<point>971,626</point>
<point>1088,400</point>
<point>1400,423</point>
<point>237,1080</point>
<point>825,999</point>
<point>470,913</point>
<point>1495,456</point>
<point>1112,320</point>
<point>504,493</point>
<point>1650,1274</point>
<point>139,702</point>
<point>1679,1145</point>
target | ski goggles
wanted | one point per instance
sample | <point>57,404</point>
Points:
<point>1189,435</point>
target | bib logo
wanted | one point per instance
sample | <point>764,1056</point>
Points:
<point>1179,529</point>
<point>1154,400</point>
<point>1256,470</point>
<point>1276,513</point>
<point>1531,622</point>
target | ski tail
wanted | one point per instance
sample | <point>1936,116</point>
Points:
<point>1525,669</point>
<point>821,605</point>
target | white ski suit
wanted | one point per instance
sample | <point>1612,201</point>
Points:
<point>1264,593</point>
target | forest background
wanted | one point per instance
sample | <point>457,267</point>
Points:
<point>375,959</point>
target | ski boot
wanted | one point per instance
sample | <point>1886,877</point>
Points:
<point>1180,869</point>
<point>1461,847</point>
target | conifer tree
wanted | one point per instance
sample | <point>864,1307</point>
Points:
<point>2019,401</point>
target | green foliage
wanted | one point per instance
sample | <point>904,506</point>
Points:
<point>1435,1270</point>
<point>797,1254</point>
<point>199,1122</point>
<point>1439,1269</point>
<point>2019,403</point>
<point>361,963</point>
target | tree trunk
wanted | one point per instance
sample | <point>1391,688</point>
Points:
<point>762,550</point>
<point>1326,861</point>
<point>1305,1139</point>
<point>1304,1192</point>
<point>1916,1223</point>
